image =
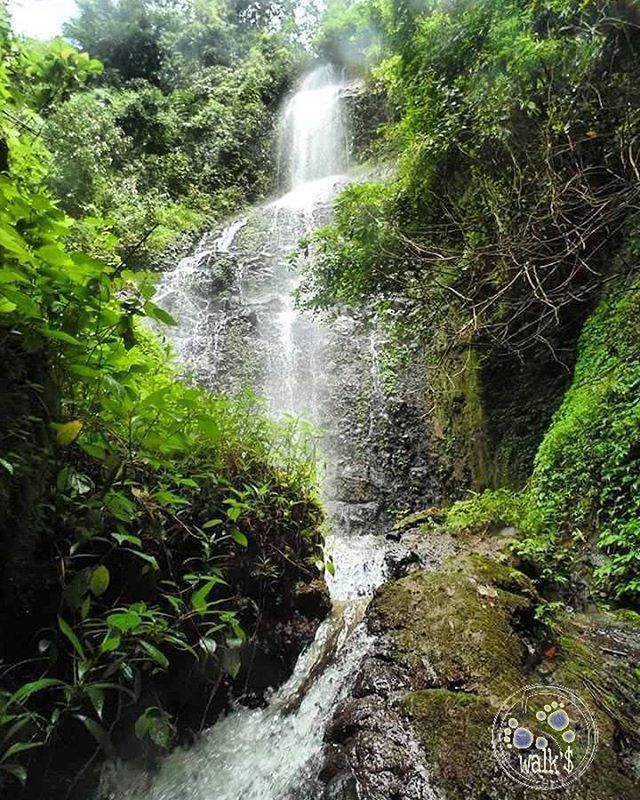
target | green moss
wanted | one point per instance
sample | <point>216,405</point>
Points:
<point>489,510</point>
<point>585,479</point>
<point>455,730</point>
<point>425,517</point>
<point>461,626</point>
<point>458,422</point>
<point>465,623</point>
<point>626,615</point>
<point>501,574</point>
<point>461,634</point>
<point>585,482</point>
<point>611,689</point>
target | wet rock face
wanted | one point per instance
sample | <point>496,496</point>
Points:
<point>239,328</point>
<point>376,430</point>
<point>371,749</point>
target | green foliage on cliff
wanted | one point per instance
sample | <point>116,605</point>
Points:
<point>586,477</point>
<point>177,130</point>
<point>514,123</point>
<point>583,490</point>
<point>138,516</point>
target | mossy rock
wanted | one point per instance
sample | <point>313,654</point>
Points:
<point>461,626</point>
<point>427,516</point>
<point>455,730</point>
<point>469,639</point>
<point>498,572</point>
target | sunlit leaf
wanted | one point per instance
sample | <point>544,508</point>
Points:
<point>99,582</point>
<point>125,621</point>
<point>68,432</point>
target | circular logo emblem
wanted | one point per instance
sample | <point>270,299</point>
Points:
<point>544,737</point>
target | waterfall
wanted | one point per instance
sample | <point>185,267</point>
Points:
<point>313,129</point>
<point>249,331</point>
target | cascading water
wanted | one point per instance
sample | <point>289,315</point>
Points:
<point>313,130</point>
<point>252,332</point>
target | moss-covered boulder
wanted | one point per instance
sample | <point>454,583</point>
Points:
<point>467,636</point>
<point>462,624</point>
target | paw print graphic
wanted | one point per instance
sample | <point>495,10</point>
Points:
<point>557,719</point>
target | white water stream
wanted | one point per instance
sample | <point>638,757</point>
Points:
<point>272,753</point>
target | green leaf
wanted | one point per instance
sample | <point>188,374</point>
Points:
<point>19,747</point>
<point>68,632</point>
<point>212,523</point>
<point>155,654</point>
<point>239,537</point>
<point>141,728</point>
<point>231,661</point>
<point>68,432</point>
<point>6,465</point>
<point>96,695</point>
<point>13,242</point>
<point>6,306</point>
<point>199,598</point>
<point>209,646</point>
<point>145,557</point>
<point>27,689</point>
<point>110,642</point>
<point>60,336</point>
<point>160,731</point>
<point>125,621</point>
<point>17,770</point>
<point>54,255</point>
<point>99,582</point>
<point>11,276</point>
<point>167,498</point>
<point>121,538</point>
<point>10,733</point>
<point>120,506</point>
<point>84,371</point>
<point>157,313</point>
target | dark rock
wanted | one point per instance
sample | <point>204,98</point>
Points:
<point>400,561</point>
<point>375,753</point>
<point>312,599</point>
<point>342,787</point>
<point>380,678</point>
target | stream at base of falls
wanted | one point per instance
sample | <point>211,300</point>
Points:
<point>238,325</point>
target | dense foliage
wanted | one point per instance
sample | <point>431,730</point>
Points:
<point>586,475</point>
<point>177,130</point>
<point>144,525</point>
<point>584,485</point>
<point>515,134</point>
<point>512,211</point>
